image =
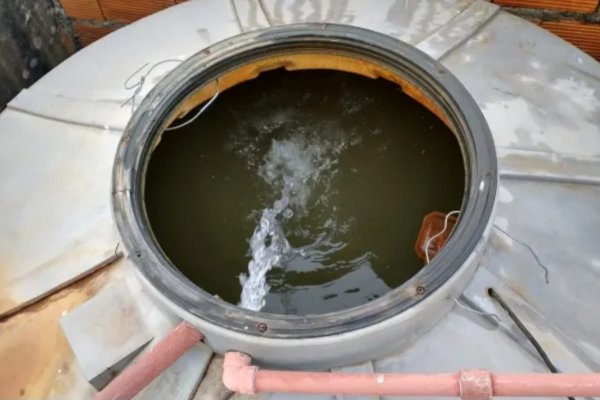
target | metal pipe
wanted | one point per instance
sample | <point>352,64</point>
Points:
<point>151,364</point>
<point>242,377</point>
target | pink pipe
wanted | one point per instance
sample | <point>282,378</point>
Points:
<point>547,385</point>
<point>149,365</point>
<point>240,376</point>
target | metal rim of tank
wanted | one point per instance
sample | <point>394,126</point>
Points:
<point>156,111</point>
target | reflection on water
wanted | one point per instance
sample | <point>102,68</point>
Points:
<point>308,188</point>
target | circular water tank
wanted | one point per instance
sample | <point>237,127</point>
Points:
<point>523,105</point>
<point>310,339</point>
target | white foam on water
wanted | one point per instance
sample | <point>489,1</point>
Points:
<point>292,168</point>
<point>268,244</point>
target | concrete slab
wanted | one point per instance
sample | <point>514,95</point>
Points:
<point>105,334</point>
<point>211,387</point>
<point>181,379</point>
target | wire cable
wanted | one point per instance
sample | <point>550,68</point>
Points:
<point>528,247</point>
<point>428,242</point>
<point>189,121</point>
<point>538,347</point>
<point>473,310</point>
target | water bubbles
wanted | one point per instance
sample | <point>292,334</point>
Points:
<point>293,167</point>
<point>352,104</point>
<point>268,244</point>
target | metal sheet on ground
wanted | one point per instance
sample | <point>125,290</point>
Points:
<point>365,368</point>
<point>408,20</point>
<point>560,223</point>
<point>55,205</point>
<point>537,92</point>
<point>211,387</point>
<point>459,29</point>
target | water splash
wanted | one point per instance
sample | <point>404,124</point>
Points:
<point>293,167</point>
<point>268,245</point>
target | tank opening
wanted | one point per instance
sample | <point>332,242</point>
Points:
<point>296,60</point>
<point>317,178</point>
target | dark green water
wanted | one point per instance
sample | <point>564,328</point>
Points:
<point>346,168</point>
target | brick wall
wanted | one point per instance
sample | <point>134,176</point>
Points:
<point>577,21</point>
<point>93,19</point>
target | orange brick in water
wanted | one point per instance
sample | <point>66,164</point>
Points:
<point>433,223</point>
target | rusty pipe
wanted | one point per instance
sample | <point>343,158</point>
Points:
<point>151,364</point>
<point>242,377</point>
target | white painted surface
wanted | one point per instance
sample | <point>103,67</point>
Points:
<point>56,222</point>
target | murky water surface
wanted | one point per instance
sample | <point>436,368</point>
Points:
<point>302,192</point>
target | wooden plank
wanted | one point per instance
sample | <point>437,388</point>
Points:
<point>39,361</point>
